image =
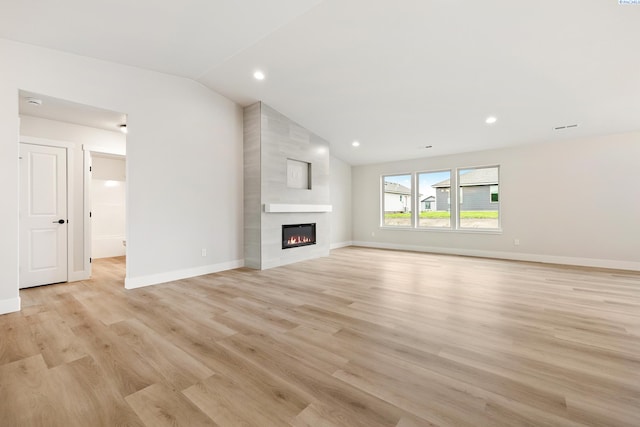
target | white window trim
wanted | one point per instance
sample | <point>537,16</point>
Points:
<point>479,230</point>
<point>417,184</point>
<point>382,204</point>
<point>455,197</point>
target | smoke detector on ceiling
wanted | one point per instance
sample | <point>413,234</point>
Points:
<point>33,101</point>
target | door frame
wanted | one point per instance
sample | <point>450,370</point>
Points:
<point>72,195</point>
<point>86,177</point>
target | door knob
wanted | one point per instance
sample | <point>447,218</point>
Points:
<point>60,221</point>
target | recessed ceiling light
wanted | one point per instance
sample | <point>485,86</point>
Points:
<point>258,75</point>
<point>123,128</point>
<point>491,120</point>
<point>355,143</point>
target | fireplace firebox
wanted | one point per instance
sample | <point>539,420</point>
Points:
<point>294,235</point>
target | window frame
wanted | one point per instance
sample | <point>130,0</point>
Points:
<point>409,206</point>
<point>458,219</point>
<point>418,210</point>
<point>455,200</point>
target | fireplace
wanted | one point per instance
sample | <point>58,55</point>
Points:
<point>294,235</point>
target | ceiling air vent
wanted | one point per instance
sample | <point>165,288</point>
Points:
<point>33,101</point>
<point>565,127</point>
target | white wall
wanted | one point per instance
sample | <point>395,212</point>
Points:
<point>93,139</point>
<point>108,206</point>
<point>9,152</point>
<point>340,187</point>
<point>184,156</point>
<point>574,202</point>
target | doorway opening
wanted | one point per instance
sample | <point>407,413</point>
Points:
<point>108,205</point>
<point>81,135</point>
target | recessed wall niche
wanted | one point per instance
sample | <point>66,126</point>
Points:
<point>298,174</point>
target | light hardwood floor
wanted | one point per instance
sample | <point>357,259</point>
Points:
<point>364,337</point>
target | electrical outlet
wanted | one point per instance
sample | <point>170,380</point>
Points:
<point>204,251</point>
<point>373,233</point>
<point>516,242</point>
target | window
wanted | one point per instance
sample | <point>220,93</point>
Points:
<point>475,197</point>
<point>494,193</point>
<point>478,209</point>
<point>397,210</point>
<point>434,203</point>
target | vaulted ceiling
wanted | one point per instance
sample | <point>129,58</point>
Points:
<point>395,76</point>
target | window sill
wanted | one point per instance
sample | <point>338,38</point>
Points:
<point>446,230</point>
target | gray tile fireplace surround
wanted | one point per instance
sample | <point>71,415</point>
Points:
<point>273,195</point>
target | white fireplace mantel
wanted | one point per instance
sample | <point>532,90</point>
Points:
<point>287,208</point>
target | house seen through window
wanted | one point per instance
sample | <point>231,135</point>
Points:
<point>397,200</point>
<point>435,209</point>
<point>478,209</point>
<point>494,193</point>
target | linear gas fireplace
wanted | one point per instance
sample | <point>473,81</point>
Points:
<point>294,235</point>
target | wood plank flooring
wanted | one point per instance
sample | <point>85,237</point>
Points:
<point>364,337</point>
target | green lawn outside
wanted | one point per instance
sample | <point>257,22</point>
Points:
<point>443,214</point>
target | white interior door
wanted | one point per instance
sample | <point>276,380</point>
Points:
<point>43,215</point>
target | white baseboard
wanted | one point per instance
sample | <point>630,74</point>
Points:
<point>340,245</point>
<point>9,305</point>
<point>170,276</point>
<point>516,256</point>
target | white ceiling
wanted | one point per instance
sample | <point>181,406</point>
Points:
<point>394,75</point>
